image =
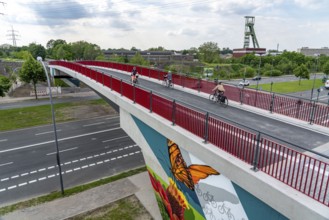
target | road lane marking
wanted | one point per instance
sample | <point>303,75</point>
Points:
<point>97,123</point>
<point>43,169</point>
<point>14,177</point>
<point>3,140</point>
<point>24,174</point>
<point>62,139</point>
<point>4,164</point>
<point>73,148</point>
<point>64,172</point>
<point>47,132</point>
<point>4,179</point>
<point>52,167</point>
<point>115,139</point>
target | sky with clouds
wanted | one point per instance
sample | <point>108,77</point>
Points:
<point>177,25</point>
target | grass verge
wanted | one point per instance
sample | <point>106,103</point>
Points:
<point>68,192</point>
<point>41,115</point>
<point>290,87</point>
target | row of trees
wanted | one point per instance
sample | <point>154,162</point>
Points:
<point>208,54</point>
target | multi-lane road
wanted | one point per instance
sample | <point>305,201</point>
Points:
<point>89,150</point>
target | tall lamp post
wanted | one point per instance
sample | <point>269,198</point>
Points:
<point>316,70</point>
<point>54,125</point>
<point>258,74</point>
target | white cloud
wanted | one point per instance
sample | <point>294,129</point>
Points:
<point>171,24</point>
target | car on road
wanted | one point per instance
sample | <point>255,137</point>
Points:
<point>244,83</point>
<point>257,78</point>
<point>326,84</point>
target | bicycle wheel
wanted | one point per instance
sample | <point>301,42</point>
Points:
<point>213,98</point>
<point>164,83</point>
<point>224,103</point>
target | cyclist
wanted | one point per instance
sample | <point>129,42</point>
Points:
<point>134,75</point>
<point>219,90</point>
<point>168,78</point>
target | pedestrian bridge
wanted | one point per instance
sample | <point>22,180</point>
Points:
<point>203,166</point>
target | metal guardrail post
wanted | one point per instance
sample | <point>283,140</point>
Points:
<point>256,155</point>
<point>272,103</point>
<point>111,82</point>
<point>241,95</point>
<point>199,85</point>
<point>206,128</point>
<point>173,116</point>
<point>312,113</point>
<point>134,93</point>
<point>121,87</point>
<point>151,101</point>
<point>103,78</point>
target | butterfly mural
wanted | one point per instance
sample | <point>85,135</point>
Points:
<point>188,175</point>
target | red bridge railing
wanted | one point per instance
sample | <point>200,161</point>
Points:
<point>307,110</point>
<point>296,169</point>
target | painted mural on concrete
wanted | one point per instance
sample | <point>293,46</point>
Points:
<point>197,185</point>
<point>194,190</point>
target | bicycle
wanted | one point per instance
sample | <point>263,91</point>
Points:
<point>222,99</point>
<point>135,81</point>
<point>167,83</point>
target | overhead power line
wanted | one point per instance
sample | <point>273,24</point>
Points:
<point>13,36</point>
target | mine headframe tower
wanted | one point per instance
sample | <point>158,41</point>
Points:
<point>250,32</point>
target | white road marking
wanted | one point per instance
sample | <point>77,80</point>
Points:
<point>4,164</point>
<point>3,140</point>
<point>62,139</point>
<point>64,172</point>
<point>73,148</point>
<point>82,159</point>
<point>22,184</point>
<point>47,132</point>
<point>97,123</point>
<point>115,139</point>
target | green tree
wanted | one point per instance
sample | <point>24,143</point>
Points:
<point>138,60</point>
<point>209,52</point>
<point>37,50</point>
<point>4,85</point>
<point>302,72</point>
<point>325,68</point>
<point>32,72</point>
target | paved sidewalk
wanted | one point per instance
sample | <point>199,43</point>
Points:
<point>138,185</point>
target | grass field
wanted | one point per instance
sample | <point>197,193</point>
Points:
<point>290,87</point>
<point>41,115</point>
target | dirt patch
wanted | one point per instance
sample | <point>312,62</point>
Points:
<point>85,111</point>
<point>127,208</point>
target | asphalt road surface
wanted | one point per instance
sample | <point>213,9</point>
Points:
<point>89,150</point>
<point>282,130</point>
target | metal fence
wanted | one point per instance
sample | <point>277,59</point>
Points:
<point>311,111</point>
<point>296,169</point>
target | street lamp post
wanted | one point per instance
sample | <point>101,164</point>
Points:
<point>316,70</point>
<point>258,74</point>
<point>54,125</point>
